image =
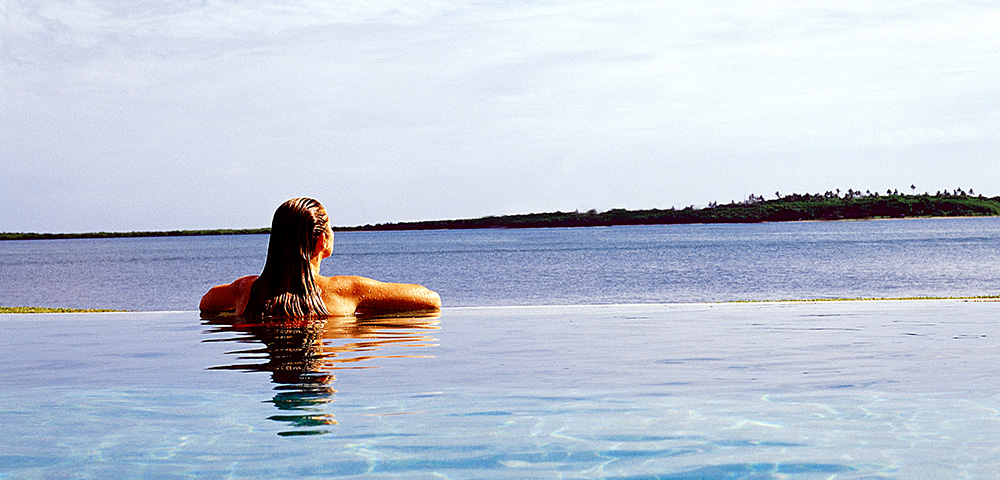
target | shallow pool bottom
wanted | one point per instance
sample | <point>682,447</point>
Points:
<point>902,389</point>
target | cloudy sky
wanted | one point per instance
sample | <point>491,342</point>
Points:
<point>176,114</point>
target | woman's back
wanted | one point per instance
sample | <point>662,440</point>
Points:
<point>290,284</point>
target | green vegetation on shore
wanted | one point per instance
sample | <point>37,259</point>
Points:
<point>170,233</point>
<point>828,206</point>
<point>53,310</point>
<point>853,205</point>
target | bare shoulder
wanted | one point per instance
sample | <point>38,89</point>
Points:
<point>240,286</point>
<point>368,294</point>
<point>343,283</point>
<point>350,287</point>
<point>230,296</point>
<point>353,284</point>
<point>245,282</point>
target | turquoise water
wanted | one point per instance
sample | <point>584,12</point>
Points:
<point>832,390</point>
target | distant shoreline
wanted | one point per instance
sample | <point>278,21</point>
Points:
<point>794,207</point>
<point>167,233</point>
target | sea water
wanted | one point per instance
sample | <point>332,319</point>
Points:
<point>572,353</point>
<point>827,390</point>
<point>616,265</point>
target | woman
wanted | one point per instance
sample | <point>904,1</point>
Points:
<point>290,284</point>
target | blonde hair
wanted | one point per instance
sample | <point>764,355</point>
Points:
<point>286,287</point>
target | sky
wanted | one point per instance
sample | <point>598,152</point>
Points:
<point>168,114</point>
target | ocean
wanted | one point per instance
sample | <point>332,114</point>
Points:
<point>525,267</point>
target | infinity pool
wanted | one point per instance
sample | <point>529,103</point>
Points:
<point>830,390</point>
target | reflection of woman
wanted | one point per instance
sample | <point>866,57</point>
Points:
<point>290,284</point>
<point>302,354</point>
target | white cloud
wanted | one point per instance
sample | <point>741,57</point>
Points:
<point>637,104</point>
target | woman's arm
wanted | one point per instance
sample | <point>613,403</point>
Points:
<point>374,296</point>
<point>228,297</point>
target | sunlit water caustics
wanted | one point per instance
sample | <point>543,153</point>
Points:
<point>828,390</point>
<point>617,265</point>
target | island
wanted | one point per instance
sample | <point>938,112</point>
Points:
<point>830,205</point>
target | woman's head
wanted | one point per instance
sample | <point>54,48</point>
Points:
<point>286,287</point>
<point>298,225</point>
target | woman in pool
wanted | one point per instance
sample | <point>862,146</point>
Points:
<point>290,284</point>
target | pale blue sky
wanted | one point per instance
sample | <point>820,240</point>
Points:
<point>174,115</point>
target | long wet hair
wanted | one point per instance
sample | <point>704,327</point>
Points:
<point>286,287</point>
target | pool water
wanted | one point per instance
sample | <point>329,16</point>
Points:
<point>876,389</point>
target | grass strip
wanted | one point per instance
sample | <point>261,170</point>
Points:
<point>54,310</point>
<point>860,299</point>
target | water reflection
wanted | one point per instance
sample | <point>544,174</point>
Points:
<point>302,354</point>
